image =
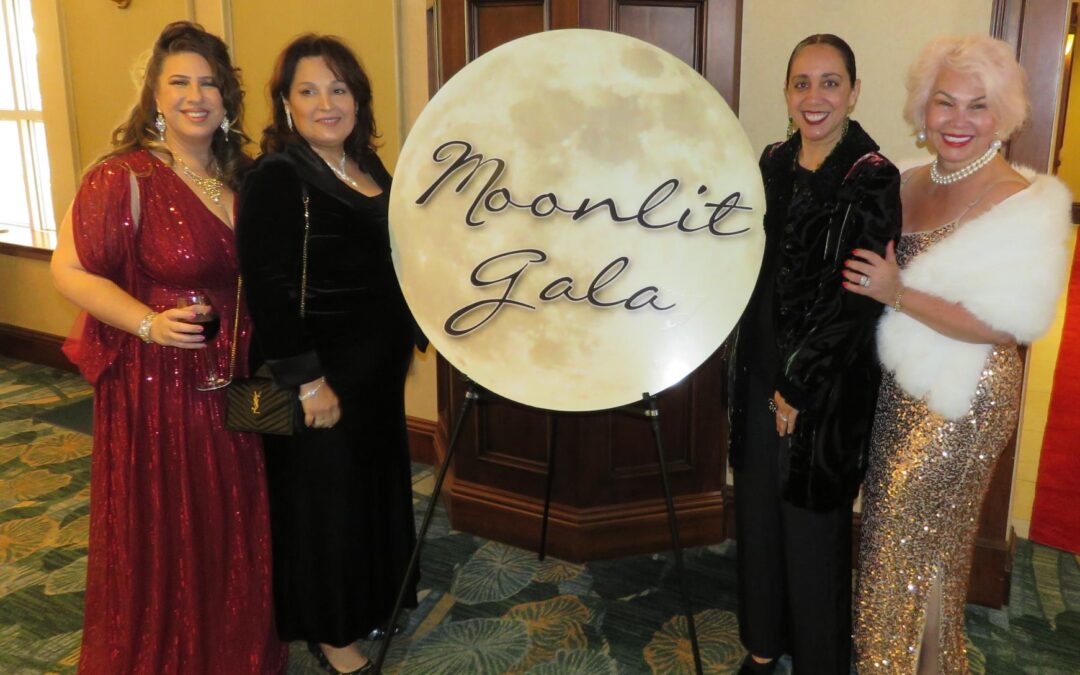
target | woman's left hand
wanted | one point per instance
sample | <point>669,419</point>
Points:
<point>785,415</point>
<point>869,274</point>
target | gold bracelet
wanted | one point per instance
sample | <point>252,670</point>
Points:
<point>897,307</point>
<point>144,327</point>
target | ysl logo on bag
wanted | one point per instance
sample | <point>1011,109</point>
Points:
<point>255,396</point>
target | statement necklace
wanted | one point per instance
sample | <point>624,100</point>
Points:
<point>208,185</point>
<point>960,174</point>
<point>340,171</point>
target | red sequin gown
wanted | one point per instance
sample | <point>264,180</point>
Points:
<point>179,570</point>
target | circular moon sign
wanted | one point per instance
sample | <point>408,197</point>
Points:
<point>576,219</point>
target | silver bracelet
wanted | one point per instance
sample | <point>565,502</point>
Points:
<point>314,390</point>
<point>144,327</point>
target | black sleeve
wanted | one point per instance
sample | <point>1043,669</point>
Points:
<point>270,236</point>
<point>841,324</point>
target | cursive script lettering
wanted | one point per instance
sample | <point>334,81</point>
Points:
<point>493,199</point>
<point>476,314</point>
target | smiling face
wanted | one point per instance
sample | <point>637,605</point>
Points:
<point>189,98</point>
<point>323,109</point>
<point>959,122</point>
<point>820,94</point>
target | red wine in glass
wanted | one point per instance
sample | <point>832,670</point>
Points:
<point>210,322</point>
<point>206,359</point>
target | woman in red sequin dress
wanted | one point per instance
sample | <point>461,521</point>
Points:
<point>179,569</point>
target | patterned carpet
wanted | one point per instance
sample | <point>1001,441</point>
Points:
<point>485,607</point>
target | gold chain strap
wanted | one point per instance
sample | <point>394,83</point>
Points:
<point>303,286</point>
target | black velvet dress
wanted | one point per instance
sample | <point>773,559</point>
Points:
<point>340,498</point>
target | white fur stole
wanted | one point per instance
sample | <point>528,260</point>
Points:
<point>1007,267</point>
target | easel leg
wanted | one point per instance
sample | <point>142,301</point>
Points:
<point>673,524</point>
<point>547,484</point>
<point>471,396</point>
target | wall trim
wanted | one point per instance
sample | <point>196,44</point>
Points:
<point>422,439</point>
<point>35,346</point>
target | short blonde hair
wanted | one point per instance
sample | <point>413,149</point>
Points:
<point>992,61</point>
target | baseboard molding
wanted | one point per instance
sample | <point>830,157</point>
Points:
<point>584,534</point>
<point>35,346</point>
<point>422,439</point>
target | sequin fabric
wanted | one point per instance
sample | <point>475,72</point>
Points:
<point>921,502</point>
<point>179,572</point>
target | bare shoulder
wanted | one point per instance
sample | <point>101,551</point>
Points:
<point>1006,184</point>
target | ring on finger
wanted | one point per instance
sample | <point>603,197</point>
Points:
<point>864,281</point>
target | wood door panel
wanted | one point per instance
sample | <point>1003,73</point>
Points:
<point>673,26</point>
<point>495,22</point>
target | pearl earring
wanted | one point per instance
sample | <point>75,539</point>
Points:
<point>921,135</point>
<point>159,124</point>
<point>996,143</point>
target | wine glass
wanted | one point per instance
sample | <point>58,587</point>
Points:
<point>206,360</point>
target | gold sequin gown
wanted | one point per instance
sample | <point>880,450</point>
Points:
<point>921,502</point>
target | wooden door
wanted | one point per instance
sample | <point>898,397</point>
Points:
<point>607,497</point>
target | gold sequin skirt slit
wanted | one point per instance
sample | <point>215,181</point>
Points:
<point>921,502</point>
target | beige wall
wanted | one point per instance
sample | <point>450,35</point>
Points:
<point>772,27</point>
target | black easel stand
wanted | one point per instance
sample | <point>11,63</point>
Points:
<point>471,397</point>
<point>653,414</point>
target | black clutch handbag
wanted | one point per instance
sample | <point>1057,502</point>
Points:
<point>257,403</point>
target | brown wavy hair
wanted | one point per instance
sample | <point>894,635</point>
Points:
<point>360,143</point>
<point>138,131</point>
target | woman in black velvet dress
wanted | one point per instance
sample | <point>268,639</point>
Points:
<point>805,374</point>
<point>340,491</point>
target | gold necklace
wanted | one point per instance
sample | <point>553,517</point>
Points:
<point>210,186</point>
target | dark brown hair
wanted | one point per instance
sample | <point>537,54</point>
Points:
<point>138,130</point>
<point>831,40</point>
<point>360,143</point>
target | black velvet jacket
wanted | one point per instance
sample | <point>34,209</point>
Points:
<point>352,297</point>
<point>825,364</point>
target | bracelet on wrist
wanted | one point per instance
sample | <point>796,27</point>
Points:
<point>897,307</point>
<point>144,327</point>
<point>314,390</point>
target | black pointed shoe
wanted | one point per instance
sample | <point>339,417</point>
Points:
<point>324,662</point>
<point>751,667</point>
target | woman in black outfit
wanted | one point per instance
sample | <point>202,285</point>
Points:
<point>340,490</point>
<point>804,374</point>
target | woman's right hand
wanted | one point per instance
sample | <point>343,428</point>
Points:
<point>321,410</point>
<point>171,328</point>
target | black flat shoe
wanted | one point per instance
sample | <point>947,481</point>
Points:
<point>324,662</point>
<point>751,667</point>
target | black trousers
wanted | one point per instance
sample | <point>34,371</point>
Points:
<point>794,564</point>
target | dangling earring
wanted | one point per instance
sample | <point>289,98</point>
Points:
<point>791,128</point>
<point>288,115</point>
<point>996,143</point>
<point>921,135</point>
<point>226,126</point>
<point>159,124</point>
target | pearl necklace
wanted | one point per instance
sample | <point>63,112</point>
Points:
<point>210,186</point>
<point>961,174</point>
<point>340,171</point>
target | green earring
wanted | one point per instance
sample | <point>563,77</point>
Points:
<point>791,128</point>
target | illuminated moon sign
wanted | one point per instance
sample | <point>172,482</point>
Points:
<point>576,219</point>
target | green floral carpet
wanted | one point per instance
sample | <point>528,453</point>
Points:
<point>484,607</point>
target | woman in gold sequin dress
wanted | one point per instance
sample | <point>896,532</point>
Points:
<point>979,267</point>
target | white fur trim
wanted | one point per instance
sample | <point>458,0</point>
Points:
<point>1007,266</point>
